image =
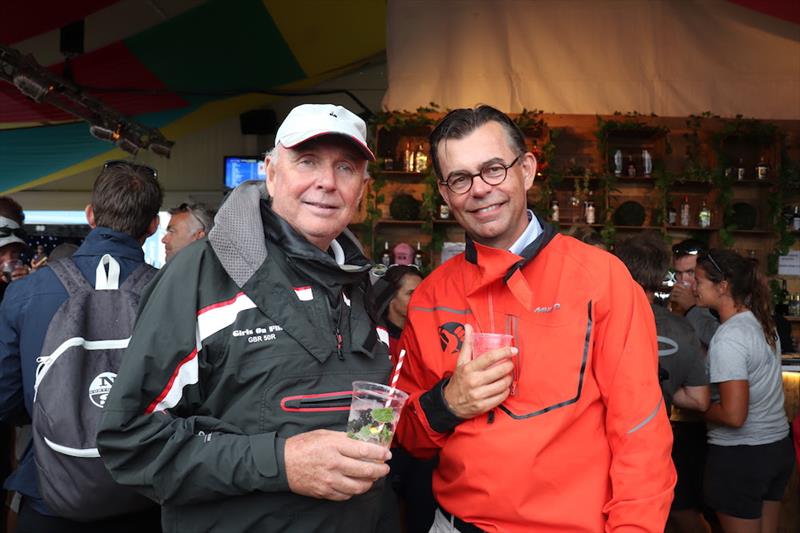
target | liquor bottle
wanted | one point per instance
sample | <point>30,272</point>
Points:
<point>386,258</point>
<point>647,161</point>
<point>631,167</point>
<point>704,216</point>
<point>408,158</point>
<point>685,212</point>
<point>418,258</point>
<point>420,160</point>
<point>796,218</point>
<point>740,170</point>
<point>590,212</point>
<point>672,216</point>
<point>762,169</point>
<point>618,163</point>
<point>554,210</point>
<point>444,211</point>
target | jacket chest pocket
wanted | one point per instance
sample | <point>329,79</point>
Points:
<point>554,356</point>
<point>319,400</point>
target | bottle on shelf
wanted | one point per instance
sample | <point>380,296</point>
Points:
<point>618,163</point>
<point>444,211</point>
<point>554,210</point>
<point>685,211</point>
<point>704,216</point>
<point>762,169</point>
<point>631,167</point>
<point>672,216</point>
<point>588,209</point>
<point>420,160</point>
<point>386,258</point>
<point>647,161</point>
<point>740,170</point>
<point>419,260</point>
<point>794,305</point>
<point>796,218</point>
<point>408,158</point>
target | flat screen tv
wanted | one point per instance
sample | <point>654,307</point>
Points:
<point>239,168</point>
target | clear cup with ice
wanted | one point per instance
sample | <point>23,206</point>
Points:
<point>374,412</point>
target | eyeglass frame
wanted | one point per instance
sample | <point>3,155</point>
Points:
<point>137,166</point>
<point>480,175</point>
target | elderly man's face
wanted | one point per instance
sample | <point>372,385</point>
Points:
<point>316,186</point>
<point>493,215</point>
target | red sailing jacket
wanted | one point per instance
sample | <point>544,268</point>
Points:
<point>585,445</point>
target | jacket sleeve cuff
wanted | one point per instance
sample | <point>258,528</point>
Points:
<point>440,418</point>
<point>267,449</point>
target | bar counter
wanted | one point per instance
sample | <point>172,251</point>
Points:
<point>790,508</point>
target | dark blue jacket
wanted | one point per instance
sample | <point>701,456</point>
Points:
<point>25,313</point>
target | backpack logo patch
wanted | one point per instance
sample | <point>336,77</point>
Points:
<point>100,387</point>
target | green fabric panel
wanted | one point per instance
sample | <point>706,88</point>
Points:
<point>27,154</point>
<point>220,46</point>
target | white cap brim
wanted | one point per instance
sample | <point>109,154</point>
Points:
<point>296,139</point>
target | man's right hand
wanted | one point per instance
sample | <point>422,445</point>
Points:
<point>682,299</point>
<point>330,465</point>
<point>479,385</point>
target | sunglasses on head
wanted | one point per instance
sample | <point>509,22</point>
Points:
<point>147,169</point>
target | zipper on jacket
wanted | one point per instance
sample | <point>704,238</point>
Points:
<point>339,343</point>
<point>338,331</point>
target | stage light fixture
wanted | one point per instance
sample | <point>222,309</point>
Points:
<point>164,149</point>
<point>31,87</point>
<point>103,133</point>
<point>128,145</point>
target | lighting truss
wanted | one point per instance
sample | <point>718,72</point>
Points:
<point>105,123</point>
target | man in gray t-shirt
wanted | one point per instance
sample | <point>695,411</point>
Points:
<point>739,351</point>
<point>680,357</point>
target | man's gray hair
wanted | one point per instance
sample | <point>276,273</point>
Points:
<point>201,212</point>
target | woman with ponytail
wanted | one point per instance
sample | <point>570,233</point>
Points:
<point>750,456</point>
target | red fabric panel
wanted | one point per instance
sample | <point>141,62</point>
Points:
<point>22,20</point>
<point>113,66</point>
<point>783,9</point>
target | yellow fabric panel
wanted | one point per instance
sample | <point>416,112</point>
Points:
<point>329,34</point>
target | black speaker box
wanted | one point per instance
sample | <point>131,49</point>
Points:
<point>258,122</point>
<point>71,42</point>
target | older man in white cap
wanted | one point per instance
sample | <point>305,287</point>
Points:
<point>231,405</point>
<point>12,243</point>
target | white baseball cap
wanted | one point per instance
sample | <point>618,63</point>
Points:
<point>10,232</point>
<point>308,121</point>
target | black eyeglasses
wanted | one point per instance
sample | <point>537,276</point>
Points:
<point>493,174</point>
<point>136,166</point>
<point>715,263</point>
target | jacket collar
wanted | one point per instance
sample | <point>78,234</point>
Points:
<point>494,263</point>
<point>102,240</point>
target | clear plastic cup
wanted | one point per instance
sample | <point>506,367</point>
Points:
<point>374,412</point>
<point>485,342</point>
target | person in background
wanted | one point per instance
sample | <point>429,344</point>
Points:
<point>584,445</point>
<point>234,416</point>
<point>410,478</point>
<point>12,245</point>
<point>589,236</point>
<point>392,292</point>
<point>187,223</point>
<point>750,454</point>
<point>683,300</point>
<point>684,379</point>
<point>12,242</point>
<point>123,212</point>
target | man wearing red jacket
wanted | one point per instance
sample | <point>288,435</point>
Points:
<point>584,442</point>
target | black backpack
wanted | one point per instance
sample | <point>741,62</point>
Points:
<point>82,351</point>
